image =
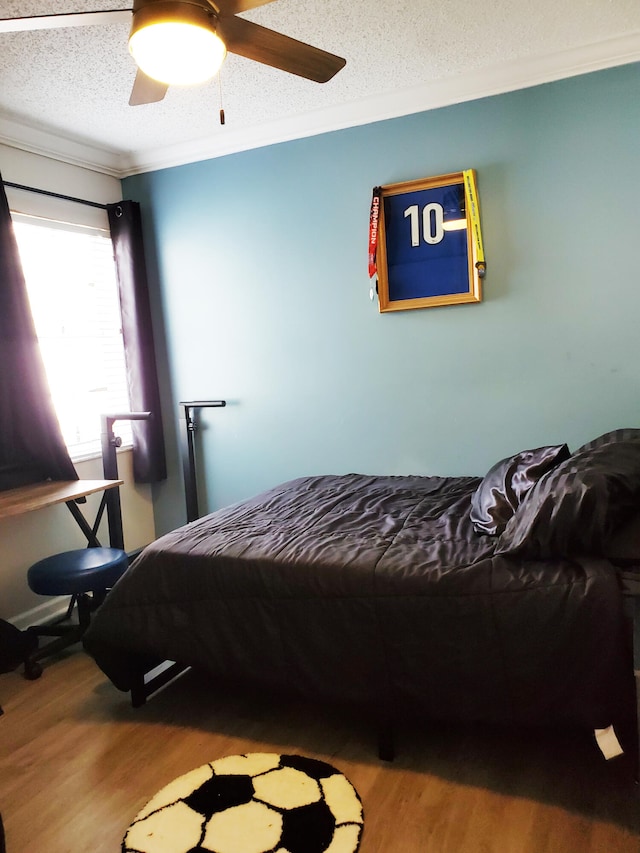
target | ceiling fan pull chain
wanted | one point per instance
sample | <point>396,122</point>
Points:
<point>220,88</point>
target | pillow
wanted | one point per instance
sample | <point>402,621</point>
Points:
<point>575,508</point>
<point>624,434</point>
<point>505,485</point>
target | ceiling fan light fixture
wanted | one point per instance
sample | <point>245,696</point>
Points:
<point>176,42</point>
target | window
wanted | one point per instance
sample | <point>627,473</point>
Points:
<point>71,281</point>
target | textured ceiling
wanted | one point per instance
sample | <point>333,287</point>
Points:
<point>76,82</point>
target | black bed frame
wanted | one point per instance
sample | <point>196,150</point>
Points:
<point>149,683</point>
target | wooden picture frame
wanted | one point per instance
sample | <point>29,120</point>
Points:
<point>429,249</point>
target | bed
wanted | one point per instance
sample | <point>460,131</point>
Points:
<point>494,599</point>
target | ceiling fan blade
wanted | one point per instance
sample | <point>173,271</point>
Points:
<point>271,48</point>
<point>146,90</point>
<point>232,7</point>
<point>72,19</point>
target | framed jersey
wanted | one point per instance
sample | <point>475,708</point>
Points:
<point>429,245</point>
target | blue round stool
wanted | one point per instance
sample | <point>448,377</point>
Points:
<point>86,574</point>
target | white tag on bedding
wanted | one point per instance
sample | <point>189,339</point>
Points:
<point>608,742</point>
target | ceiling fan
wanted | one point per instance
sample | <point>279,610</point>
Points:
<point>184,42</point>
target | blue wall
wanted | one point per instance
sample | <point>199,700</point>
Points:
<point>263,295</point>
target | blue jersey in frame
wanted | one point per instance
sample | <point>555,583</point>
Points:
<point>427,243</point>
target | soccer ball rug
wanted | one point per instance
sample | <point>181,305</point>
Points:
<point>254,803</point>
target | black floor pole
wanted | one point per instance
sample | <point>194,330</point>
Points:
<point>187,452</point>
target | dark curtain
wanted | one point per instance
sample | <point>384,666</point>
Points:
<point>31,444</point>
<point>149,463</point>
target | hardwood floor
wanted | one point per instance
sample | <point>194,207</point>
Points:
<point>77,762</point>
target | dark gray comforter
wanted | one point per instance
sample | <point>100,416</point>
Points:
<point>378,591</point>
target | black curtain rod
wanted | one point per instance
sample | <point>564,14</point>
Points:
<point>55,195</point>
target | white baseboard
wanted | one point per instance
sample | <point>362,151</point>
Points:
<point>44,612</point>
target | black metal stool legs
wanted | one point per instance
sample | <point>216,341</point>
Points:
<point>65,634</point>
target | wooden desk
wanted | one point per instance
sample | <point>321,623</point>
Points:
<point>70,492</point>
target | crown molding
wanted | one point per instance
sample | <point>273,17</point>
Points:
<point>48,143</point>
<point>472,85</point>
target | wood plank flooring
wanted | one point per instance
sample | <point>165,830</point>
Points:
<point>77,762</point>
